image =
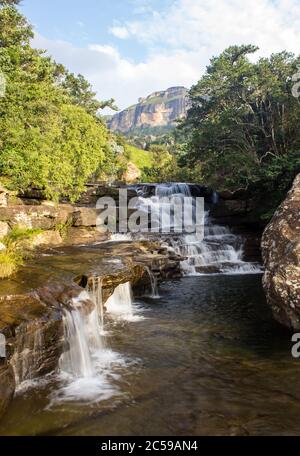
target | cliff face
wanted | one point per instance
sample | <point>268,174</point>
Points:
<point>160,109</point>
<point>281,254</point>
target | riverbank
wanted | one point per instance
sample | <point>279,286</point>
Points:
<point>206,358</point>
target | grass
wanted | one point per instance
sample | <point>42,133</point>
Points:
<point>139,157</point>
<point>18,234</point>
<point>63,228</point>
<point>13,256</point>
<point>9,263</point>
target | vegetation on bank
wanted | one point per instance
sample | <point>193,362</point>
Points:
<point>16,250</point>
<point>51,136</point>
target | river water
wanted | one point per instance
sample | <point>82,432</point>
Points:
<point>206,358</point>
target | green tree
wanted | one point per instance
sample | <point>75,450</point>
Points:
<point>50,137</point>
<point>81,93</point>
<point>243,118</point>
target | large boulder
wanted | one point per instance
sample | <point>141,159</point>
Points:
<point>132,174</point>
<point>43,217</point>
<point>281,255</point>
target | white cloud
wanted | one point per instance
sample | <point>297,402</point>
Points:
<point>179,42</point>
<point>119,32</point>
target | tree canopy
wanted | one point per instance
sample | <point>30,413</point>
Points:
<point>50,134</point>
<point>243,124</point>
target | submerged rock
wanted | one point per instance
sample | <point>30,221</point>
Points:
<point>281,255</point>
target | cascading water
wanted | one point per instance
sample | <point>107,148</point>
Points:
<point>216,250</point>
<point>120,304</point>
<point>86,361</point>
<point>77,359</point>
<point>28,355</point>
<point>153,282</point>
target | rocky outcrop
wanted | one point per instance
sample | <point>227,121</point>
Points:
<point>132,174</point>
<point>32,305</point>
<point>160,109</point>
<point>281,255</point>
<point>43,217</point>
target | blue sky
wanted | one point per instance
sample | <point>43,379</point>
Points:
<point>129,48</point>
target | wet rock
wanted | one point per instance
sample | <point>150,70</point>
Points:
<point>281,255</point>
<point>7,387</point>
<point>85,235</point>
<point>31,313</point>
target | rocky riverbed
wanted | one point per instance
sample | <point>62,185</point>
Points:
<point>32,303</point>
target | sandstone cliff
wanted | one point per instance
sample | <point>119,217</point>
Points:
<point>160,109</point>
<point>281,254</point>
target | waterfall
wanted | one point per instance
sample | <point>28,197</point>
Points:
<point>86,363</point>
<point>218,251</point>
<point>28,356</point>
<point>165,207</point>
<point>82,334</point>
<point>120,303</point>
<point>153,282</point>
<point>170,190</point>
<point>77,359</point>
<point>95,294</point>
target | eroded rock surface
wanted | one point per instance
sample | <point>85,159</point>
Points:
<point>281,255</point>
<point>32,303</point>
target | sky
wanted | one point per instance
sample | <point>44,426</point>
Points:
<point>130,48</point>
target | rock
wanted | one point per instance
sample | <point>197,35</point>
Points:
<point>281,256</point>
<point>31,313</point>
<point>4,229</point>
<point>239,194</point>
<point>159,109</point>
<point>229,208</point>
<point>50,238</point>
<point>3,196</point>
<point>132,173</point>
<point>85,235</point>
<point>7,387</point>
<point>43,217</point>
<point>85,216</point>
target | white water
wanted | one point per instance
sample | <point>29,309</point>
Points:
<point>154,294</point>
<point>86,364</point>
<point>120,304</point>
<point>165,207</point>
<point>220,251</point>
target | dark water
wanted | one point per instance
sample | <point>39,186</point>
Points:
<point>208,359</point>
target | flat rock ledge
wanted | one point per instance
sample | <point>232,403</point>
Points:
<point>32,303</point>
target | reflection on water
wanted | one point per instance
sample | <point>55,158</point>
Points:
<point>207,360</point>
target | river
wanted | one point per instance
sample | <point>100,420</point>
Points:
<point>201,355</point>
<point>206,358</point>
